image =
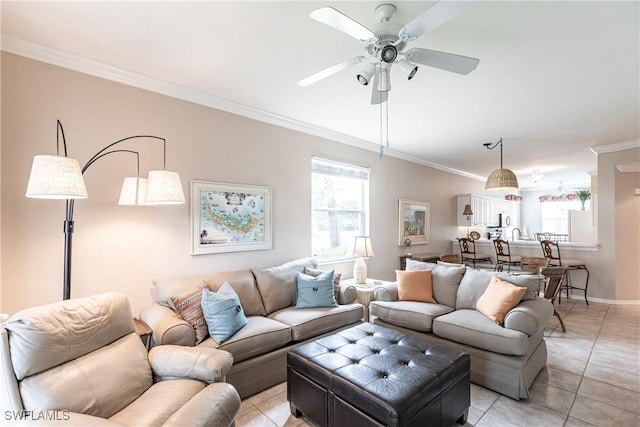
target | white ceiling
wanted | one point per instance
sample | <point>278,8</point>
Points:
<point>554,79</point>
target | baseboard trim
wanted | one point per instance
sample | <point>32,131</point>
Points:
<point>580,297</point>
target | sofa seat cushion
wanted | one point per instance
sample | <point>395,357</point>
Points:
<point>159,403</point>
<point>408,314</point>
<point>309,322</point>
<point>473,328</point>
<point>259,336</point>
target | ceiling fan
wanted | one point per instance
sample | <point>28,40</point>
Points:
<point>385,46</point>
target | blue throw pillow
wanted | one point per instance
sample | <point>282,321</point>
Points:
<point>222,312</point>
<point>315,291</point>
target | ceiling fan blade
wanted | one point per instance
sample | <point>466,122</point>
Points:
<point>341,22</point>
<point>377,96</point>
<point>443,60</point>
<point>433,17</point>
<point>330,71</point>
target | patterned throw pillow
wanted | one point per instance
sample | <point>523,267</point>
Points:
<point>223,312</point>
<point>315,291</point>
<point>187,304</point>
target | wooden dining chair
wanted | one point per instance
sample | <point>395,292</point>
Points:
<point>503,255</point>
<point>468,252</point>
<point>554,278</point>
<point>551,250</point>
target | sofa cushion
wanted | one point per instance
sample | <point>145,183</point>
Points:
<point>473,328</point>
<point>415,286</point>
<point>49,335</point>
<point>158,403</point>
<point>310,322</point>
<point>242,281</point>
<point>336,279</point>
<point>408,314</point>
<point>261,335</point>
<point>499,297</point>
<point>445,280</point>
<point>187,303</point>
<point>223,312</point>
<point>475,282</point>
<point>89,383</point>
<point>277,285</point>
<point>315,291</point>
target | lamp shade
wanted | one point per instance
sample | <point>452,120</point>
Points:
<point>56,177</point>
<point>134,190</point>
<point>362,247</point>
<point>502,180</point>
<point>467,210</point>
<point>164,188</point>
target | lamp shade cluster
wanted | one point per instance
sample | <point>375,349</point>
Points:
<point>58,177</point>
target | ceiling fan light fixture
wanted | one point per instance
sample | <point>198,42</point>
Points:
<point>407,69</point>
<point>364,77</point>
<point>388,54</point>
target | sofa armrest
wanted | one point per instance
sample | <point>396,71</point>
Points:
<point>387,291</point>
<point>215,405</point>
<point>168,327</point>
<point>347,294</point>
<point>529,316</point>
<point>198,363</point>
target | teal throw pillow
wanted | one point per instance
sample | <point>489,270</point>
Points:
<point>222,312</point>
<point>315,291</point>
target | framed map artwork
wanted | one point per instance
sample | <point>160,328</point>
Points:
<point>413,222</point>
<point>229,217</point>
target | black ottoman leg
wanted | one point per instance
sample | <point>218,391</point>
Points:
<point>463,418</point>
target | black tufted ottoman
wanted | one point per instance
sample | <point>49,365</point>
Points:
<point>373,376</point>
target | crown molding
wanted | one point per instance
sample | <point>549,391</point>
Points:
<point>611,148</point>
<point>101,70</point>
<point>629,167</point>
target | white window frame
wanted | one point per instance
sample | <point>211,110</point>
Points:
<point>324,166</point>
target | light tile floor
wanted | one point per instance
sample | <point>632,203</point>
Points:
<point>592,377</point>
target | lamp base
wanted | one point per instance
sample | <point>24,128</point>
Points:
<point>360,271</point>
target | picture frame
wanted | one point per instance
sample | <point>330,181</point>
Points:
<point>229,217</point>
<point>413,222</point>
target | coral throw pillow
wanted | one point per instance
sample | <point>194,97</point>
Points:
<point>499,297</point>
<point>415,286</point>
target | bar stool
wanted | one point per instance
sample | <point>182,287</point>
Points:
<point>555,277</point>
<point>468,251</point>
<point>503,255</point>
<point>551,250</point>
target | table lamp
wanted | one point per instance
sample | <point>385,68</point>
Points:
<point>362,249</point>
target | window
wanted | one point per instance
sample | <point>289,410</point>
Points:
<point>339,207</point>
<point>555,216</point>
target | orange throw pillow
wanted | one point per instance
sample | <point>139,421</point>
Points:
<point>415,286</point>
<point>499,297</point>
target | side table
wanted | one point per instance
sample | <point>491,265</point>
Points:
<point>144,332</point>
<point>418,257</point>
<point>364,292</point>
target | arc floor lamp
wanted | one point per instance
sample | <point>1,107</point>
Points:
<point>61,177</point>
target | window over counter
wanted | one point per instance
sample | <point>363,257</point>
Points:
<point>339,207</point>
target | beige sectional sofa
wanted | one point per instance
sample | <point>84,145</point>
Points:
<point>268,299</point>
<point>505,358</point>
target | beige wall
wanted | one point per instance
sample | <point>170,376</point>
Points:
<point>617,211</point>
<point>627,236</point>
<point>122,248</point>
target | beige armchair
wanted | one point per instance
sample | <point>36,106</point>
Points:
<point>80,362</point>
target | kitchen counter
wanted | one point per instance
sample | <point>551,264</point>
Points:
<point>532,245</point>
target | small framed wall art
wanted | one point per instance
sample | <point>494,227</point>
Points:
<point>229,217</point>
<point>413,222</point>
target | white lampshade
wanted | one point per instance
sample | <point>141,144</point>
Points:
<point>56,177</point>
<point>133,191</point>
<point>362,247</point>
<point>164,188</point>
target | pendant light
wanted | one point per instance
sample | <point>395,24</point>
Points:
<point>500,179</point>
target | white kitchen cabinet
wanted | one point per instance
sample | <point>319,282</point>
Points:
<point>485,211</point>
